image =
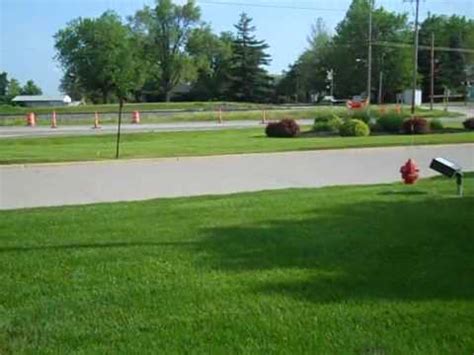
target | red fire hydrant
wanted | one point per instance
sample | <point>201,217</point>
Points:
<point>409,172</point>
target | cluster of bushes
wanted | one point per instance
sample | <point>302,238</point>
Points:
<point>354,128</point>
<point>284,128</point>
<point>416,125</point>
<point>398,123</point>
<point>346,128</point>
<point>391,122</point>
<point>361,114</point>
<point>330,123</point>
<point>469,123</point>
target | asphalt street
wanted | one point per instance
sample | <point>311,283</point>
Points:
<point>37,185</point>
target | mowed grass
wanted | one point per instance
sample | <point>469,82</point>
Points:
<point>384,269</point>
<point>200,143</point>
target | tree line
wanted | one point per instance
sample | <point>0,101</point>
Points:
<point>345,54</point>
<point>9,88</point>
<point>168,52</point>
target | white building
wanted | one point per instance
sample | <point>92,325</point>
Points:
<point>42,100</point>
<point>408,96</point>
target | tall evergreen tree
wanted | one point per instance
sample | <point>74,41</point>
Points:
<point>249,80</point>
<point>3,86</point>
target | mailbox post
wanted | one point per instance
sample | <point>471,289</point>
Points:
<point>449,169</point>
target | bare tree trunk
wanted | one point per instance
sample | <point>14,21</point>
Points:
<point>105,94</point>
<point>117,152</point>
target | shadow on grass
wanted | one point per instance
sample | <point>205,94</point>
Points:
<point>402,193</point>
<point>382,250</point>
<point>103,245</point>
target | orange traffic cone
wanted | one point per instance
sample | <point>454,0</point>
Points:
<point>54,123</point>
<point>96,121</point>
<point>136,117</point>
<point>30,119</point>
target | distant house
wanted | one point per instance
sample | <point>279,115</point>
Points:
<point>42,100</point>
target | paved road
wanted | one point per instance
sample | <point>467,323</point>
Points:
<point>81,183</point>
<point>41,131</point>
<point>458,107</point>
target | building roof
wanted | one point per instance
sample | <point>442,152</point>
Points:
<point>42,98</point>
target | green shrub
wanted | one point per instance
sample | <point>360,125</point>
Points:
<point>327,124</point>
<point>416,125</point>
<point>436,124</point>
<point>354,128</point>
<point>361,114</point>
<point>284,128</point>
<point>469,123</point>
<point>391,122</point>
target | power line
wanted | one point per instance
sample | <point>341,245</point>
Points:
<point>271,6</point>
<point>407,45</point>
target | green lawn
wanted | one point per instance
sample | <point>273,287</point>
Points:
<point>174,144</point>
<point>384,269</point>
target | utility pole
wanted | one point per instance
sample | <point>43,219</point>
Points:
<point>330,78</point>
<point>369,54</point>
<point>380,98</point>
<point>332,87</point>
<point>432,71</point>
<point>415,59</point>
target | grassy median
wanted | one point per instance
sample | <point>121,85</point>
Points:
<point>384,269</point>
<point>201,143</point>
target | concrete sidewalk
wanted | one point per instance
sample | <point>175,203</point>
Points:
<point>90,182</point>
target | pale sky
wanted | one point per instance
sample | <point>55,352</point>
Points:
<point>27,26</point>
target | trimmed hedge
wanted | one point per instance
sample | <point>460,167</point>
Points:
<point>327,124</point>
<point>284,128</point>
<point>416,125</point>
<point>469,123</point>
<point>354,128</point>
<point>391,122</point>
<point>436,124</point>
<point>361,114</point>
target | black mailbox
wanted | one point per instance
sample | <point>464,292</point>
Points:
<point>449,169</point>
<point>445,167</point>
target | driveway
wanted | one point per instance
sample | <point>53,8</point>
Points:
<point>90,182</point>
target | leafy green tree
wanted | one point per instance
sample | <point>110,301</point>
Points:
<point>163,31</point>
<point>87,50</point>
<point>70,85</point>
<point>307,76</point>
<point>3,87</point>
<point>13,89</point>
<point>249,80</point>
<point>451,68</point>
<point>211,55</point>
<point>30,88</point>
<point>348,53</point>
<point>101,55</point>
